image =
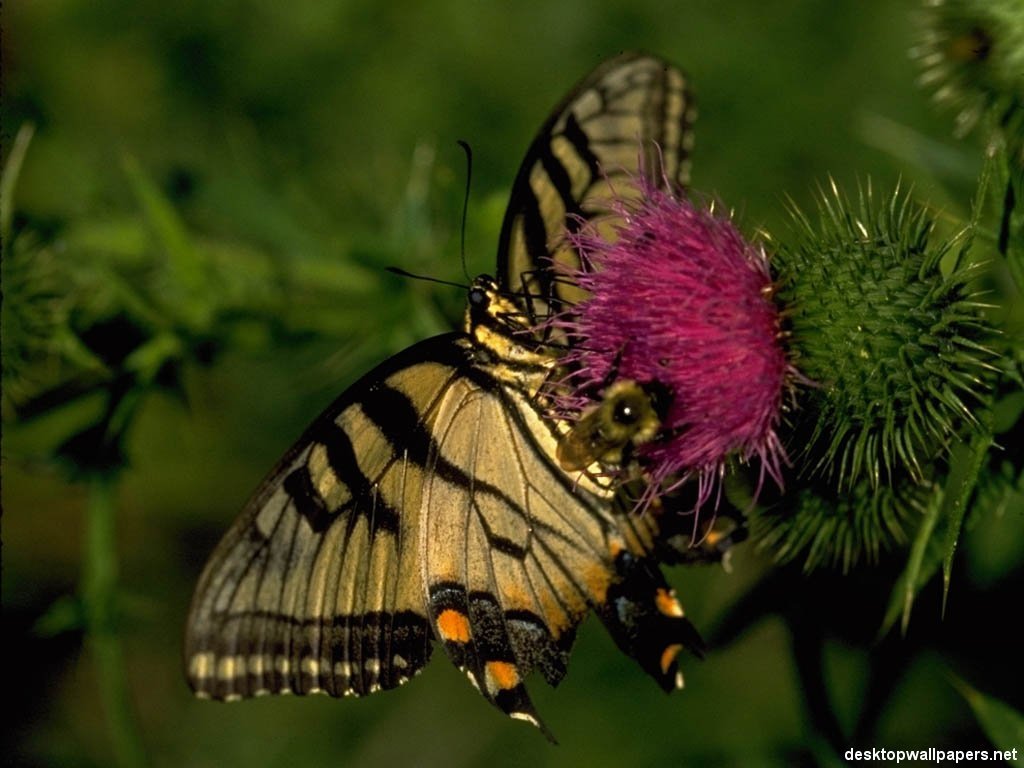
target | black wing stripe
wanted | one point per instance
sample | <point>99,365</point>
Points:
<point>341,457</point>
<point>395,415</point>
<point>498,542</point>
<point>534,230</point>
<point>410,643</point>
<point>307,500</point>
<point>558,177</point>
<point>389,593</point>
<point>531,640</point>
<point>281,642</point>
<point>632,114</point>
<point>581,143</point>
<point>351,650</point>
<point>397,418</point>
<point>268,558</point>
<point>251,638</point>
<point>374,596</point>
<point>370,635</point>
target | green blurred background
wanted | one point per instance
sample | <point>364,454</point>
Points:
<point>306,145</point>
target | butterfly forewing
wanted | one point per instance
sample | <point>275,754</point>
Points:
<point>631,115</point>
<point>318,585</point>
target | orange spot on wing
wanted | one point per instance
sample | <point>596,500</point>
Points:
<point>503,674</point>
<point>713,537</point>
<point>453,626</point>
<point>667,602</point>
<point>668,656</point>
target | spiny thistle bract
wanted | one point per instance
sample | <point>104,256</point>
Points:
<point>680,299</point>
<point>34,315</point>
<point>827,528</point>
<point>972,55</point>
<point>895,347</point>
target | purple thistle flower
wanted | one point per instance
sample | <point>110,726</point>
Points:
<point>679,299</point>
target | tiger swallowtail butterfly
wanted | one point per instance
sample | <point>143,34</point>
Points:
<point>427,505</point>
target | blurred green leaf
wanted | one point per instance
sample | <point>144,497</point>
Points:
<point>1003,724</point>
<point>922,563</point>
<point>943,159</point>
<point>188,272</point>
<point>151,357</point>
<point>120,241</point>
<point>1007,411</point>
<point>1008,193</point>
<point>67,614</point>
<point>9,180</point>
<point>966,462</point>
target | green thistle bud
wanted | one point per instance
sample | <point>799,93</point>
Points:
<point>894,347</point>
<point>972,56</point>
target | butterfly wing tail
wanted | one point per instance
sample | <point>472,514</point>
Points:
<point>646,620</point>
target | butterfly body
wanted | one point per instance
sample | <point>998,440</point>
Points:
<point>426,506</point>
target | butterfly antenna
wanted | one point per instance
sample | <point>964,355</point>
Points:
<point>465,203</point>
<point>406,273</point>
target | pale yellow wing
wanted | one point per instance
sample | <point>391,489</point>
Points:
<point>317,587</point>
<point>517,552</point>
<point>633,113</point>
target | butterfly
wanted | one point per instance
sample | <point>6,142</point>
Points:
<point>427,504</point>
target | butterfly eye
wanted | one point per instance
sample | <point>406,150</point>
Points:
<point>477,297</point>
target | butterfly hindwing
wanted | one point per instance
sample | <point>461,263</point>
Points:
<point>517,551</point>
<point>631,115</point>
<point>641,612</point>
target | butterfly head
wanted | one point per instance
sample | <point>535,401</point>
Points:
<point>501,329</point>
<point>482,292</point>
<point>487,306</point>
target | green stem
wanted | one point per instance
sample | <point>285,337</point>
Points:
<point>9,180</point>
<point>99,583</point>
